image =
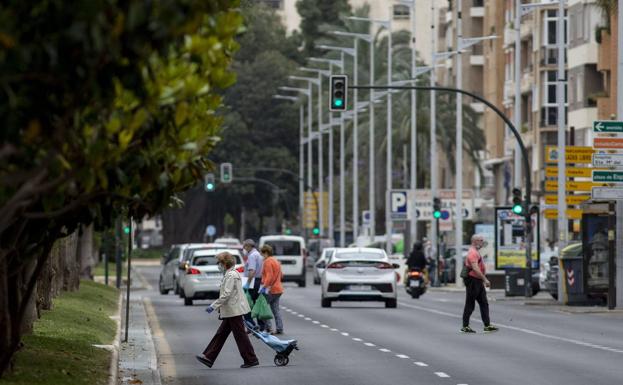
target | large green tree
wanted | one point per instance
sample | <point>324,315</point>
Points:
<point>315,13</point>
<point>107,108</point>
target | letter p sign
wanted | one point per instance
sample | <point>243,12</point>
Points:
<point>398,204</point>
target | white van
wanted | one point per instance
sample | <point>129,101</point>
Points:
<point>290,251</point>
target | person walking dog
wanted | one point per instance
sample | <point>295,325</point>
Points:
<point>271,287</point>
<point>232,305</point>
<point>475,283</point>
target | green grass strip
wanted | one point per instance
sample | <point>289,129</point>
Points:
<point>60,349</point>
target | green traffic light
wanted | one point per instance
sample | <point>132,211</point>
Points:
<point>437,214</point>
<point>210,186</point>
<point>517,209</point>
<point>338,102</point>
<point>126,229</point>
<point>316,231</point>
<point>288,232</point>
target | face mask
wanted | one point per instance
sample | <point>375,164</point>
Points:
<point>221,268</point>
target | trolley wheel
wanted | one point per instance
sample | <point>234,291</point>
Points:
<point>281,360</point>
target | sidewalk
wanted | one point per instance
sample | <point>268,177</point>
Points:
<point>138,361</point>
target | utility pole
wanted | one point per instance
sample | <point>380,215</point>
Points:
<point>389,158</point>
<point>433,123</point>
<point>458,212</point>
<point>356,146</point>
<point>413,173</point>
<point>517,111</point>
<point>560,96</point>
<point>620,61</point>
<point>342,175</point>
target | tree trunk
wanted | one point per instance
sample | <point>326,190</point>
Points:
<point>71,276</point>
<point>86,256</point>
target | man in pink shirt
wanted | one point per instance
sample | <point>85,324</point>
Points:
<point>475,284</point>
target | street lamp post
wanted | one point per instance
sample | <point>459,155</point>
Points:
<point>371,183</point>
<point>387,24</point>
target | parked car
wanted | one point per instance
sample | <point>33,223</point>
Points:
<point>188,254</point>
<point>359,274</point>
<point>169,275</point>
<point>321,263</point>
<point>315,248</point>
<point>290,251</point>
<point>203,279</point>
<point>229,241</point>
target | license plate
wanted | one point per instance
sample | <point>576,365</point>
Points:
<point>360,287</point>
<point>414,284</point>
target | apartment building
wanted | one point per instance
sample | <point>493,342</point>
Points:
<point>607,66</point>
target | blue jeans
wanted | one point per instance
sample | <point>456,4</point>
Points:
<point>273,301</point>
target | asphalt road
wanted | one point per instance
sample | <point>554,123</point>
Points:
<point>417,343</point>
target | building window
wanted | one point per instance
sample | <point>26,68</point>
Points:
<point>549,110</point>
<point>401,11</point>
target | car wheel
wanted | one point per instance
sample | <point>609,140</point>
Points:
<point>188,301</point>
<point>325,302</point>
<point>302,282</point>
<point>163,291</point>
<point>316,281</point>
<point>181,293</point>
<point>176,289</point>
<point>391,303</point>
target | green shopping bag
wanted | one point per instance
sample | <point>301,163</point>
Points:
<point>249,299</point>
<point>261,309</point>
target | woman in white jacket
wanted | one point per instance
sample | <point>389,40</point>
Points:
<point>231,304</point>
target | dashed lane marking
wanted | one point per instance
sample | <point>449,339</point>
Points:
<point>384,350</point>
<point>357,339</point>
<point>402,356</point>
<point>315,322</point>
<point>344,334</point>
<point>324,326</point>
<point>334,330</point>
<point>301,316</point>
<point>420,364</point>
<point>307,319</point>
<point>442,375</point>
<point>369,344</point>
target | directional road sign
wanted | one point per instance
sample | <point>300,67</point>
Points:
<point>573,154</point>
<point>608,176</point>
<point>612,143</point>
<point>571,213</point>
<point>607,126</point>
<point>608,160</point>
<point>552,186</point>
<point>607,193</point>
<point>572,172</point>
<point>570,199</point>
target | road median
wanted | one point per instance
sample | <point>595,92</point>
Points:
<point>72,343</point>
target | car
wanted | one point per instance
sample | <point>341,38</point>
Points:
<point>321,263</point>
<point>359,274</point>
<point>290,251</point>
<point>185,261</point>
<point>229,241</point>
<point>315,247</point>
<point>202,276</point>
<point>169,274</point>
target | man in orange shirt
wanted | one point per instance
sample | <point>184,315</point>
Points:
<point>271,286</point>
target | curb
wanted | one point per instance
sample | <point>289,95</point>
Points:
<point>113,375</point>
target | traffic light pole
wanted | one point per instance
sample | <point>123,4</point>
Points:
<point>524,154</point>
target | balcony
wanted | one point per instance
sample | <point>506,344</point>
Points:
<point>549,55</point>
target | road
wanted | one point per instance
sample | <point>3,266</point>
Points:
<point>417,343</point>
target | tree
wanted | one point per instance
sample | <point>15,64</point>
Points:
<point>314,13</point>
<point>107,109</point>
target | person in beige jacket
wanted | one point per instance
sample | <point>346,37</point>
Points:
<point>231,304</point>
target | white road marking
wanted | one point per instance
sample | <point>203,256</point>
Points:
<point>301,315</point>
<point>324,326</point>
<point>523,330</point>
<point>334,330</point>
<point>442,375</point>
<point>307,319</point>
<point>385,350</point>
<point>294,313</point>
<point>402,356</point>
<point>369,344</point>
<point>357,339</point>
<point>345,334</point>
<point>315,322</point>
<point>420,364</point>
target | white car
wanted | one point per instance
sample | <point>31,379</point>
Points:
<point>291,253</point>
<point>230,242</point>
<point>202,277</point>
<point>360,274</point>
<point>185,261</point>
<point>170,273</point>
<point>321,263</point>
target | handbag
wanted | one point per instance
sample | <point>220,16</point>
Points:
<point>261,309</point>
<point>249,299</point>
<point>465,271</point>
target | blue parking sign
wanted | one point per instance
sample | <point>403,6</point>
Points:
<point>399,204</point>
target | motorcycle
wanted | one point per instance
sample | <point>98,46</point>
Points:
<point>416,283</point>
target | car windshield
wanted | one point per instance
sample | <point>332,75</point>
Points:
<point>285,247</point>
<point>359,256</point>
<point>204,260</point>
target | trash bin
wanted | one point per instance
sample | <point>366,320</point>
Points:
<point>514,282</point>
<point>572,274</point>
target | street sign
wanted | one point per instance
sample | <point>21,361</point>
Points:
<point>571,213</point>
<point>572,172</point>
<point>573,154</point>
<point>552,186</point>
<point>607,126</point>
<point>365,217</point>
<point>608,176</point>
<point>607,193</point>
<point>608,160</point>
<point>422,203</point>
<point>570,199</point>
<point>615,143</point>
<point>398,204</point>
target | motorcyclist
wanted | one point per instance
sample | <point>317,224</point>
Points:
<point>416,260</point>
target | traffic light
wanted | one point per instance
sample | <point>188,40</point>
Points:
<point>436,208</point>
<point>208,182</point>
<point>338,92</point>
<point>517,204</point>
<point>226,172</point>
<point>126,229</point>
<point>316,230</point>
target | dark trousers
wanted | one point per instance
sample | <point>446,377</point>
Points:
<point>231,325</point>
<point>254,293</point>
<point>475,292</point>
